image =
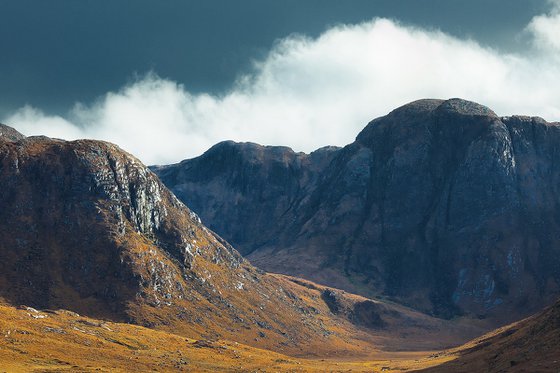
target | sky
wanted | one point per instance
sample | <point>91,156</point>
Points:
<point>166,80</point>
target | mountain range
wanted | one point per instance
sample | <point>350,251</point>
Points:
<point>86,227</point>
<point>441,217</point>
<point>441,205</point>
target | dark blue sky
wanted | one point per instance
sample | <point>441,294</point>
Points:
<point>57,52</point>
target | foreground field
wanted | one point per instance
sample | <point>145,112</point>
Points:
<point>64,341</point>
<point>58,341</point>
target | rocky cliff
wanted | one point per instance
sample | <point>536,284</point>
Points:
<point>86,227</point>
<point>8,133</point>
<point>440,204</point>
<point>245,190</point>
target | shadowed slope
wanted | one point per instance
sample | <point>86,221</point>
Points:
<point>440,204</point>
<point>531,345</point>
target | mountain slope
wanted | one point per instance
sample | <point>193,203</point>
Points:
<point>8,133</point>
<point>86,227</point>
<point>61,340</point>
<point>440,204</point>
<point>530,345</point>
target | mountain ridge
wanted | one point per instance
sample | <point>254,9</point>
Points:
<point>439,204</point>
<point>88,228</point>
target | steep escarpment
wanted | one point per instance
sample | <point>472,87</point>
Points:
<point>247,190</point>
<point>442,205</point>
<point>86,227</point>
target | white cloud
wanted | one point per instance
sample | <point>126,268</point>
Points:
<point>546,29</point>
<point>309,93</point>
<point>30,120</point>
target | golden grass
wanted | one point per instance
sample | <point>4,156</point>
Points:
<point>61,341</point>
<point>529,345</point>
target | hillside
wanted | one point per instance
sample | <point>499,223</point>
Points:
<point>40,341</point>
<point>61,340</point>
<point>530,345</point>
<point>441,205</point>
<point>88,228</point>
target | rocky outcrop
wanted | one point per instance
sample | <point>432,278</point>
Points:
<point>442,205</point>
<point>87,227</point>
<point>9,134</point>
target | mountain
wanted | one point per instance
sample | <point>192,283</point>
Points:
<point>441,205</point>
<point>86,227</point>
<point>530,345</point>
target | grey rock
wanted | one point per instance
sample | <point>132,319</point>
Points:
<point>246,190</point>
<point>9,134</point>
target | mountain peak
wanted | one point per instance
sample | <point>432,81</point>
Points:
<point>9,133</point>
<point>248,148</point>
<point>418,106</point>
<point>456,114</point>
<point>453,105</point>
<point>465,107</point>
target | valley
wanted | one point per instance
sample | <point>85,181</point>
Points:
<point>62,341</point>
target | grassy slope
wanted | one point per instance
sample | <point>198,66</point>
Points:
<point>47,341</point>
<point>64,341</point>
<point>530,345</point>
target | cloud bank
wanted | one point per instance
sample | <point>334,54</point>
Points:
<point>309,93</point>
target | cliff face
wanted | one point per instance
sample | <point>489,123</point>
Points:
<point>9,134</point>
<point>440,204</point>
<point>245,190</point>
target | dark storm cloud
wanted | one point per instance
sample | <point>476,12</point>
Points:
<point>57,52</point>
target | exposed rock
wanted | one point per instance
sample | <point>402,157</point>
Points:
<point>9,134</point>
<point>87,227</point>
<point>440,204</point>
<point>247,190</point>
<point>367,313</point>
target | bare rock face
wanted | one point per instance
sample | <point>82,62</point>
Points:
<point>245,190</point>
<point>440,204</point>
<point>77,218</point>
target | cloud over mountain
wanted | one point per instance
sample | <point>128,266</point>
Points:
<point>307,92</point>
